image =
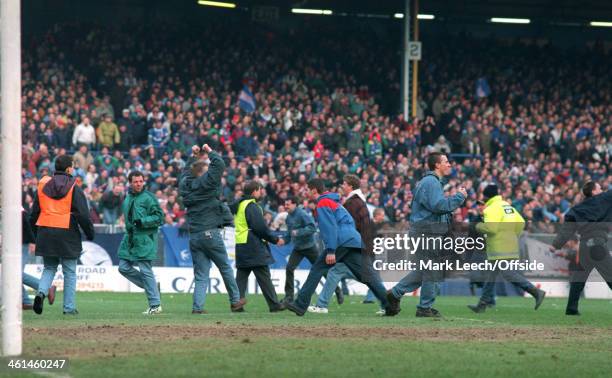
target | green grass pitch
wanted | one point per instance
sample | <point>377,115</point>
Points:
<point>111,338</point>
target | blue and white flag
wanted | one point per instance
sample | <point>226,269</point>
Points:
<point>482,88</point>
<point>246,100</point>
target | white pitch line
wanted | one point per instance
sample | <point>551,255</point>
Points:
<point>50,374</point>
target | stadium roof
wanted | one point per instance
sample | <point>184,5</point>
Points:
<point>466,10</point>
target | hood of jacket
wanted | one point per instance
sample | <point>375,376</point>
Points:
<point>358,193</point>
<point>330,195</point>
<point>59,185</point>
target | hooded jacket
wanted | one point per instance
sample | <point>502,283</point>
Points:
<point>140,239</point>
<point>336,224</point>
<point>58,242</point>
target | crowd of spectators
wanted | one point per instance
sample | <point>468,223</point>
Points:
<point>137,98</point>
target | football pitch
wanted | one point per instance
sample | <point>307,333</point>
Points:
<point>110,337</point>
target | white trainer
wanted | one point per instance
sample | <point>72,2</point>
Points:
<point>317,310</point>
<point>153,310</point>
<point>381,312</point>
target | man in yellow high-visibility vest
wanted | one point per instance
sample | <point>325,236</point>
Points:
<point>252,249</point>
<point>502,226</point>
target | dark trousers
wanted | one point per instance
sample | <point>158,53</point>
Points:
<point>590,258</point>
<point>294,260</point>
<point>264,280</point>
<point>577,283</point>
<point>352,258</point>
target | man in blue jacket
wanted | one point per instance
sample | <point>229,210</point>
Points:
<point>300,230</point>
<point>430,216</point>
<point>342,244</point>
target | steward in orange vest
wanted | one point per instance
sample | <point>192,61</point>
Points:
<point>59,208</point>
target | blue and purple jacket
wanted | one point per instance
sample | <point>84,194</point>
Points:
<point>336,224</point>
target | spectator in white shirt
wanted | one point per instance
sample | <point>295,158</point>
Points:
<point>85,134</point>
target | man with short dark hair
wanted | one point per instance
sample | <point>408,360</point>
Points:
<point>591,220</point>
<point>502,224</point>
<point>143,216</point>
<point>355,204</point>
<point>300,230</point>
<point>59,210</point>
<point>110,204</point>
<point>342,244</point>
<point>430,217</point>
<point>252,250</point>
<point>200,187</point>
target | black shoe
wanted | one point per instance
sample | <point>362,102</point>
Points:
<point>367,301</point>
<point>281,307</point>
<point>339,295</point>
<point>539,298</point>
<point>478,308</point>
<point>38,303</point>
<point>394,305</point>
<point>73,312</point>
<point>572,312</point>
<point>428,313</point>
<point>199,312</point>
<point>291,306</point>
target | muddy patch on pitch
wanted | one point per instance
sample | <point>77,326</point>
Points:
<point>117,340</point>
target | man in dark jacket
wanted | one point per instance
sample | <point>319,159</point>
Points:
<point>59,209</point>
<point>200,187</point>
<point>252,250</point>
<point>62,136</point>
<point>591,220</point>
<point>142,216</point>
<point>110,204</point>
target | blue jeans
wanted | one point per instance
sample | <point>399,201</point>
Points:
<point>334,275</point>
<point>110,215</point>
<point>144,278</point>
<point>370,297</point>
<point>352,258</point>
<point>413,281</point>
<point>68,270</point>
<point>28,280</point>
<point>514,277</point>
<point>207,247</point>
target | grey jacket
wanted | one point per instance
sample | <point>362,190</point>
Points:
<point>304,226</point>
<point>201,195</point>
<point>431,210</point>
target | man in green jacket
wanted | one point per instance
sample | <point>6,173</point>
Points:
<point>142,216</point>
<point>108,132</point>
